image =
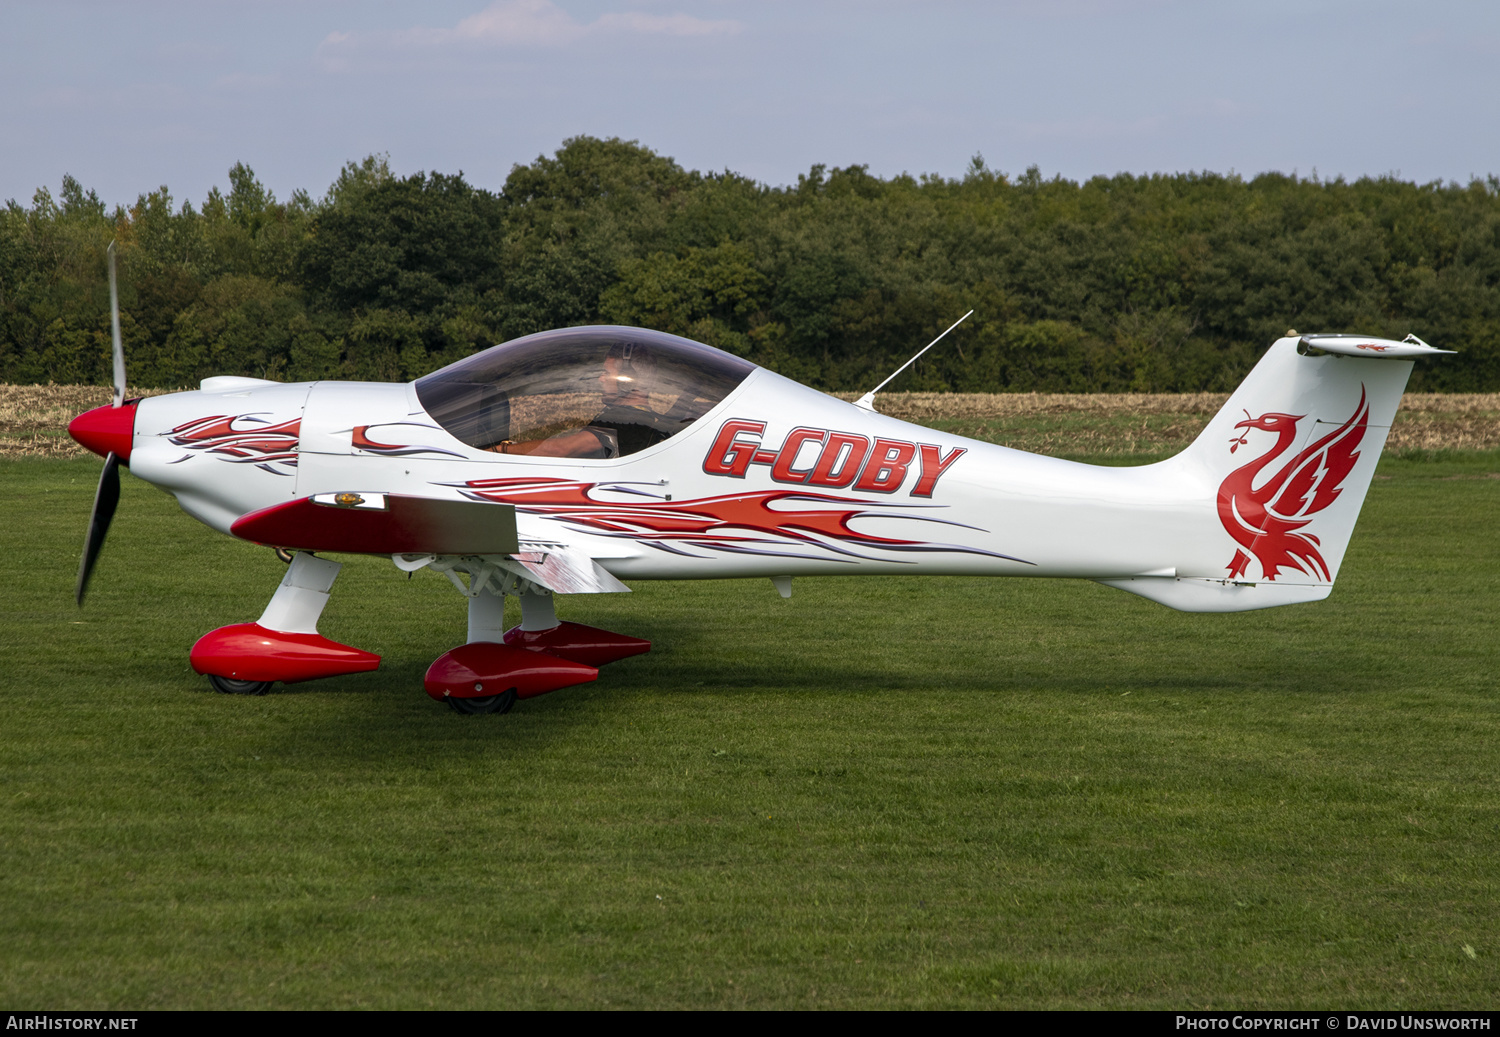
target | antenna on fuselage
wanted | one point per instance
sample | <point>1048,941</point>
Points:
<point>867,401</point>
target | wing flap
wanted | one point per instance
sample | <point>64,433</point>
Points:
<point>567,570</point>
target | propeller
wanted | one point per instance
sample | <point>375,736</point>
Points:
<point>107,497</point>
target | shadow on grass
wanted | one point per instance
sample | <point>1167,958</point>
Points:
<point>387,715</point>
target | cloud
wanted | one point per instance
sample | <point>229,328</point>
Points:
<point>515,23</point>
<point>522,24</point>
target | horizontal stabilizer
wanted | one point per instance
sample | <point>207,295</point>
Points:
<point>1374,348</point>
<point>1194,595</point>
<point>383,524</point>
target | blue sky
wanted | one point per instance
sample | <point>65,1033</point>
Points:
<point>129,96</point>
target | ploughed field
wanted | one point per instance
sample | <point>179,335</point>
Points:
<point>883,792</point>
<point>34,418</point>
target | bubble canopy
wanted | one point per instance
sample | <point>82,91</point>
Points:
<point>580,392</point>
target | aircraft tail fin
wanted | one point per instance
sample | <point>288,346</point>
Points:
<point>1288,461</point>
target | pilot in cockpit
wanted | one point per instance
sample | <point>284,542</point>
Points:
<point>626,423</point>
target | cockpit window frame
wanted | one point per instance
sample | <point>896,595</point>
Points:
<point>696,378</point>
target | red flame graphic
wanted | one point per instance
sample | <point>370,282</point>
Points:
<point>1266,520</point>
<point>731,522</point>
<point>258,444</point>
<point>360,439</point>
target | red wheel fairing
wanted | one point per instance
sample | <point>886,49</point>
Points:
<point>578,643</point>
<point>250,652</point>
<point>482,669</point>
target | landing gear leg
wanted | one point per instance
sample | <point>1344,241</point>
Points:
<point>487,616</point>
<point>537,610</point>
<point>299,600</point>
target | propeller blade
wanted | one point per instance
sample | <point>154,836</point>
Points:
<point>114,332</point>
<point>105,501</point>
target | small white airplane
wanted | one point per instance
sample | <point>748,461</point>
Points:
<point>568,461</point>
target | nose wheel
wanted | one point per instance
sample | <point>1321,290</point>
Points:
<point>500,703</point>
<point>229,686</point>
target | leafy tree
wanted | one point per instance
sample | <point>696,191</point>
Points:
<point>1123,283</point>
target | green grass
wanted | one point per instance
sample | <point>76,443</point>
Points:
<point>883,792</point>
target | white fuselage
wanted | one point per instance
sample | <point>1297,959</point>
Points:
<point>991,510</point>
<point>778,479</point>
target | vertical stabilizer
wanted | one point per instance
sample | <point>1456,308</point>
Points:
<point>1287,462</point>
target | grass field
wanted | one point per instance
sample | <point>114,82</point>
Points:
<point>883,792</point>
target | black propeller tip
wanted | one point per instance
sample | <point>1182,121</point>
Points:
<point>106,499</point>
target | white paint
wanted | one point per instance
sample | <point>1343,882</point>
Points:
<point>232,383</point>
<point>537,610</point>
<point>298,603</point>
<point>487,616</point>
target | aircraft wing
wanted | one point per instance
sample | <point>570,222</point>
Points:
<point>398,524</point>
<point>383,523</point>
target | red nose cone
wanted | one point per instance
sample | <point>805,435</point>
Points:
<point>106,430</point>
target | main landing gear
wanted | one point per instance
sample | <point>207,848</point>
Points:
<point>539,656</point>
<point>493,670</point>
<point>284,644</point>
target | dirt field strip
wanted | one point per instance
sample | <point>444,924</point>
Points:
<point>1112,423</point>
<point>34,419</point>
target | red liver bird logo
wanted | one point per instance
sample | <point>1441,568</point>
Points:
<point>1267,519</point>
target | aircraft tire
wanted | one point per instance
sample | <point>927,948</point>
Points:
<point>229,686</point>
<point>500,703</point>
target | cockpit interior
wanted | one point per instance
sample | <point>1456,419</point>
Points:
<point>596,392</point>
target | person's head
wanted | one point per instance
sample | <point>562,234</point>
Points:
<point>629,370</point>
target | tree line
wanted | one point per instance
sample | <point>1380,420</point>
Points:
<point>1162,283</point>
